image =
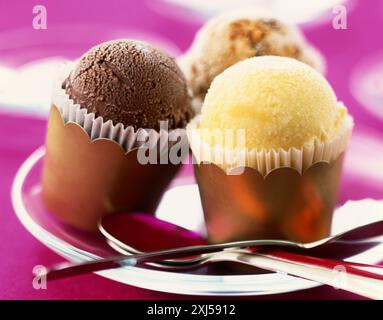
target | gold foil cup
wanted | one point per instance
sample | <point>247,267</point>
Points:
<point>84,180</point>
<point>91,167</point>
<point>283,205</point>
<point>275,194</point>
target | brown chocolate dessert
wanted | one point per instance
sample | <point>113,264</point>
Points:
<point>132,83</point>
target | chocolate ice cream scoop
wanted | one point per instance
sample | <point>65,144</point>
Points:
<point>130,82</point>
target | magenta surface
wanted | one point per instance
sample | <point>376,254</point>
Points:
<point>21,135</point>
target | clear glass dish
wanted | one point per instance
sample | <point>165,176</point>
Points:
<point>78,246</point>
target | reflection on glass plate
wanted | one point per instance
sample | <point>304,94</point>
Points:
<point>365,156</point>
<point>367,83</point>
<point>77,246</point>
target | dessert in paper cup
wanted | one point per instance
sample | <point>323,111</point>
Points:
<point>234,36</point>
<point>106,117</point>
<point>268,147</point>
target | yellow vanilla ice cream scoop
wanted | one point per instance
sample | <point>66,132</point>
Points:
<point>279,102</point>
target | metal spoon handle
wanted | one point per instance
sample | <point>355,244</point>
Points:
<point>64,270</point>
<point>271,260</point>
<point>365,280</point>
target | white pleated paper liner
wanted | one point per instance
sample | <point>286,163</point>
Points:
<point>264,161</point>
<point>128,138</point>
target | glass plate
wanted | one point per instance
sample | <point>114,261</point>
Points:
<point>79,246</point>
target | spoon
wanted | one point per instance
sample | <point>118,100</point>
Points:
<point>113,227</point>
<point>362,279</point>
<point>143,228</point>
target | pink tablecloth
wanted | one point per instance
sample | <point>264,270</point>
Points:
<point>20,135</point>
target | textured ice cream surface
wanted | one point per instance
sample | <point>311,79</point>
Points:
<point>279,102</point>
<point>132,83</point>
<point>232,37</point>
